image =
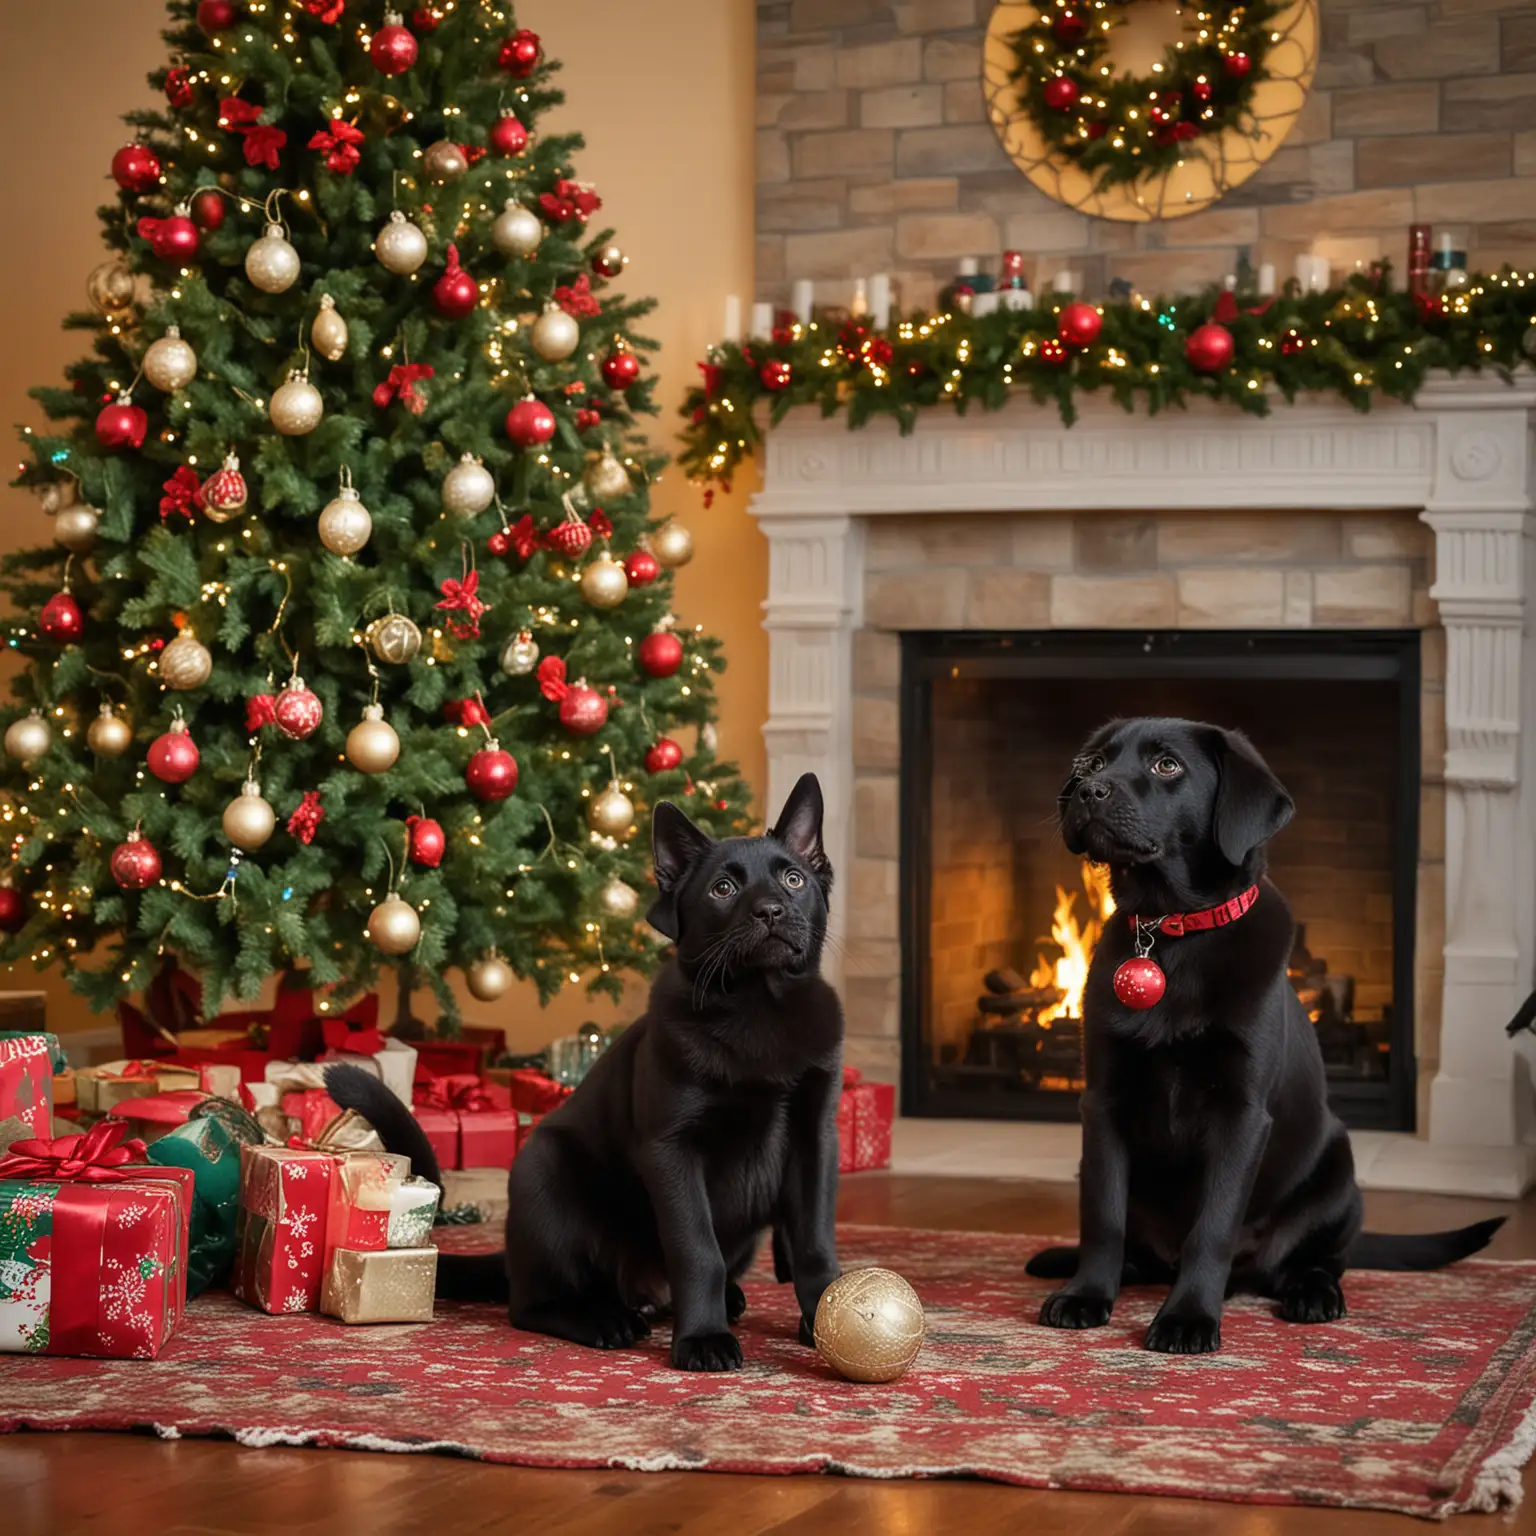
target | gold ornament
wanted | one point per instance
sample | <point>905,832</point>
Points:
<point>272,264</point>
<point>394,926</point>
<point>111,288</point>
<point>468,488</point>
<point>672,545</point>
<point>400,246</point>
<point>170,363</point>
<point>345,524</point>
<point>296,407</point>
<point>603,582</point>
<point>444,161</point>
<point>521,655</point>
<point>555,334</point>
<point>372,745</point>
<point>110,735</point>
<point>606,479</point>
<point>489,977</point>
<point>185,663</point>
<point>394,638</point>
<point>517,230</point>
<point>75,529</point>
<point>611,813</point>
<point>869,1325</point>
<point>618,899</point>
<point>248,819</point>
<point>29,738</point>
<point>328,335</point>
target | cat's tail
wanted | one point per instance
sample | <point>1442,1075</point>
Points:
<point>1053,1264</point>
<point>460,1276</point>
<point>1419,1250</point>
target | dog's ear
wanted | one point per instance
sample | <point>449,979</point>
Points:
<point>799,829</point>
<point>1251,803</point>
<point>675,844</point>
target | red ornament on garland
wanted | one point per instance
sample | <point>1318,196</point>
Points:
<point>519,55</point>
<point>208,210</point>
<point>1060,94</point>
<point>427,844</point>
<point>1070,28</point>
<point>216,15</point>
<point>508,137</point>
<point>1053,351</point>
<point>135,168</point>
<point>1079,324</point>
<point>1237,65</point>
<point>62,619</point>
<point>172,239</point>
<point>173,757</point>
<point>393,49</point>
<point>530,423</point>
<point>491,773</point>
<point>455,293</point>
<point>642,567</point>
<point>298,711</point>
<point>122,425</point>
<point>663,756</point>
<point>1209,348</point>
<point>135,864</point>
<point>776,375</point>
<point>660,654</point>
<point>1139,983</point>
<point>13,909</point>
<point>620,369</point>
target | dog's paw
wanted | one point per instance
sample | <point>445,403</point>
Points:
<point>619,1329</point>
<point>1315,1297</point>
<point>1066,1310</point>
<point>735,1301</point>
<point>1172,1335</point>
<point>707,1352</point>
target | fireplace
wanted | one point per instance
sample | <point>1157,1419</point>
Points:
<point>999,920</point>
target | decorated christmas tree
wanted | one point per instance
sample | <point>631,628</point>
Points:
<point>355,646</point>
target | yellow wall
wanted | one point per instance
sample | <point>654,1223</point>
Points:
<point>664,93</point>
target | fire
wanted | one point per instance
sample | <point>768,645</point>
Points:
<point>1070,973</point>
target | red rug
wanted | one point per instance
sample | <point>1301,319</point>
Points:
<point>1421,1401</point>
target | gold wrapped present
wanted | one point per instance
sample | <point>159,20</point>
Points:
<point>390,1285</point>
<point>99,1089</point>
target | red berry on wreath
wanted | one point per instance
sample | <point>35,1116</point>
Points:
<point>135,864</point>
<point>1053,351</point>
<point>1209,348</point>
<point>122,424</point>
<point>660,654</point>
<point>208,210</point>
<point>508,137</point>
<point>583,710</point>
<point>298,712</point>
<point>530,423</point>
<point>642,567</point>
<point>456,292</point>
<point>1070,28</point>
<point>1061,94</point>
<point>775,375</point>
<point>173,756</point>
<point>1079,324</point>
<point>491,773</point>
<point>519,55</point>
<point>1237,65</point>
<point>135,168</point>
<point>217,15</point>
<point>393,49</point>
<point>62,619</point>
<point>620,369</point>
<point>13,909</point>
<point>663,756</point>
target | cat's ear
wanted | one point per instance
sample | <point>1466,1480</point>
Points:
<point>799,829</point>
<point>675,844</point>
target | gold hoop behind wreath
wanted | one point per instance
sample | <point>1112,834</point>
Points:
<point>1211,168</point>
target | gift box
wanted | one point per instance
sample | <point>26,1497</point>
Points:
<point>470,1124</point>
<point>469,1054</point>
<point>93,1247</point>
<point>99,1089</point>
<point>393,1061</point>
<point>392,1286</point>
<point>150,1119</point>
<point>873,1113</point>
<point>533,1093</point>
<point>27,1064</point>
<point>846,1159</point>
<point>412,1212</point>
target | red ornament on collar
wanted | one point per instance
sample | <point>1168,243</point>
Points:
<point>1139,982</point>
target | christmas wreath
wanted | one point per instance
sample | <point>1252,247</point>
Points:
<point>1120,128</point>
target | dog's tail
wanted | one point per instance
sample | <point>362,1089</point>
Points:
<point>460,1276</point>
<point>1053,1264</point>
<point>1419,1250</point>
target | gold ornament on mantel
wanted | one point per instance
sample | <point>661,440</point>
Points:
<point>394,926</point>
<point>869,1325</point>
<point>328,335</point>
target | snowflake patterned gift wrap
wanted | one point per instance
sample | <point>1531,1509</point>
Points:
<point>93,1253</point>
<point>27,1065</point>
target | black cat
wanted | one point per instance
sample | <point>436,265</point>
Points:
<point>713,1117</point>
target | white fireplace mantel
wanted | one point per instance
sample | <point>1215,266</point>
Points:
<point>1462,455</point>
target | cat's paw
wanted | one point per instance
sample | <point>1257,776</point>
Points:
<point>707,1352</point>
<point>1067,1310</point>
<point>1187,1335</point>
<point>735,1301</point>
<point>1315,1297</point>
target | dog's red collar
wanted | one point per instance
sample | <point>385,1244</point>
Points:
<point>1176,924</point>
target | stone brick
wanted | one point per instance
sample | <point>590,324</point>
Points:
<point>876,659</point>
<point>876,733</point>
<point>1173,271</point>
<point>1507,102</point>
<point>1042,233</point>
<point>1371,23</point>
<point>872,912</point>
<point>1368,594</point>
<point>951,58</point>
<point>1525,153</point>
<point>1412,159</point>
<point>1314,123</point>
<point>948,151</point>
<point>872,1006</point>
<point>1432,823</point>
<point>926,236</point>
<point>1519,38</point>
<point>1218,226</point>
<point>772,156</point>
<point>1469,46</point>
<point>1247,538</point>
<point>838,154</point>
<point>902,106</point>
<point>1298,600</point>
<point>934,15</point>
<point>816,69</point>
<point>1386,536</point>
<point>1044,543</point>
<point>1113,602</point>
<point>1239,598</point>
<point>1432,742</point>
<point>1354,213</point>
<point>963,102</point>
<point>1384,109</point>
<point>872,957</point>
<point>926,600</point>
<point>916,544</point>
<point>934,194</point>
<point>1008,599</point>
<point>1116,544</point>
<point>1338,70</point>
<point>1331,167</point>
<point>801,205</point>
<point>838,252</point>
<point>880,64</point>
<point>1476,201</point>
<point>878,1060</point>
<point>770,104</point>
<point>823,15</point>
<point>877,816</point>
<point>770,263</point>
<point>818,109</point>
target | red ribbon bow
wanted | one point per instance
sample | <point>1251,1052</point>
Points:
<point>260,710</point>
<point>305,821</point>
<point>570,200</point>
<point>339,142</point>
<point>552,683</point>
<point>401,383</point>
<point>178,87</point>
<point>461,597</point>
<point>577,299</point>
<point>183,494</point>
<point>459,1091</point>
<point>341,1036</point>
<point>525,537</point>
<point>328,11</point>
<point>601,524</point>
<point>237,115</point>
<point>138,1070</point>
<point>264,146</point>
<point>100,1156</point>
<point>1226,310</point>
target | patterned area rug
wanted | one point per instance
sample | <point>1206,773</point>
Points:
<point>1421,1401</point>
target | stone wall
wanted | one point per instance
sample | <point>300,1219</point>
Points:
<point>875,154</point>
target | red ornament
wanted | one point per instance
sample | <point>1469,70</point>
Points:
<point>1060,93</point>
<point>122,425</point>
<point>393,49</point>
<point>178,88</point>
<point>1292,343</point>
<point>499,542</point>
<point>1053,351</point>
<point>1070,28</point>
<point>466,712</point>
<point>173,756</point>
<point>508,136</point>
<point>1201,90</point>
<point>424,20</point>
<point>1237,65</point>
<point>298,712</point>
<point>572,538</point>
<point>1079,324</point>
<point>620,369</point>
<point>583,710</point>
<point>608,262</point>
<point>135,168</point>
<point>664,756</point>
<point>491,773</point>
<point>13,909</point>
<point>660,654</point>
<point>226,491</point>
<point>172,239</point>
<point>208,210</point>
<point>642,567</point>
<point>519,55</point>
<point>217,15</point>
<point>61,619</point>
<point>530,423</point>
<point>1140,982</point>
<point>775,375</point>
<point>427,844</point>
<point>1209,348</point>
<point>135,864</point>
<point>455,293</point>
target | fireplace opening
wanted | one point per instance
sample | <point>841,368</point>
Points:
<point>999,920</point>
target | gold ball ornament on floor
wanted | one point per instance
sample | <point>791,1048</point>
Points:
<point>225,493</point>
<point>372,745</point>
<point>75,529</point>
<point>271,263</point>
<point>606,479</point>
<point>612,813</point>
<point>603,582</point>
<point>111,288</point>
<point>400,246</point>
<point>468,488</point>
<point>29,738</point>
<point>618,899</point>
<point>109,734</point>
<point>869,1325</point>
<point>555,334</point>
<point>489,978</point>
<point>346,524</point>
<point>672,544</point>
<point>444,161</point>
<point>393,638</point>
<point>394,926</point>
<point>517,230</point>
<point>328,335</point>
<point>520,655</point>
<point>248,819</point>
<point>170,363</point>
<point>185,663</point>
<point>296,407</point>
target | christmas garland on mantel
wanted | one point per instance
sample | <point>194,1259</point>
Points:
<point>1358,342</point>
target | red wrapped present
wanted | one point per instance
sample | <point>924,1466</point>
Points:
<point>535,1093</point>
<point>873,1112</point>
<point>285,1202</point>
<point>469,1123</point>
<point>846,1162</point>
<point>93,1246</point>
<point>309,1111</point>
<point>27,1064</point>
<point>151,1118</point>
<point>468,1054</point>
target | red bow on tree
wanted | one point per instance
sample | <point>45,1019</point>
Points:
<point>401,384</point>
<point>713,374</point>
<point>328,11</point>
<point>462,597</point>
<point>260,710</point>
<point>237,115</point>
<point>178,87</point>
<point>100,1156</point>
<point>1226,311</point>
<point>551,676</point>
<point>577,299</point>
<point>570,200</point>
<point>601,524</point>
<point>339,143</point>
<point>341,1036</point>
<point>525,537</point>
<point>183,494</point>
<point>305,821</point>
<point>264,146</point>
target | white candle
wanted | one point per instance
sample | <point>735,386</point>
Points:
<point>880,299</point>
<point>1065,281</point>
<point>1267,278</point>
<point>969,266</point>
<point>762,321</point>
<point>802,295</point>
<point>732,317</point>
<point>1312,273</point>
<point>859,305</point>
<point>985,303</point>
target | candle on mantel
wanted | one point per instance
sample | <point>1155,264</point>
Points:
<point>802,296</point>
<point>858,305</point>
<point>762,321</point>
<point>1266,279</point>
<point>732,317</point>
<point>880,300</point>
<point>1066,281</point>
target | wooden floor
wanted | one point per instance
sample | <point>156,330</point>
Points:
<point>121,1485</point>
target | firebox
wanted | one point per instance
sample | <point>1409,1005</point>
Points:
<point>999,921</point>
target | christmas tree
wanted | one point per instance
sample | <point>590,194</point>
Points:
<point>355,646</point>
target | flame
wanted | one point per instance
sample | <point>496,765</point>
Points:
<point>1070,973</point>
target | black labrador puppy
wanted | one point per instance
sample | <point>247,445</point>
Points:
<point>1211,1160</point>
<point>713,1117</point>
